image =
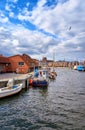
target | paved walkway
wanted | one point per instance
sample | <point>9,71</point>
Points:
<point>6,76</point>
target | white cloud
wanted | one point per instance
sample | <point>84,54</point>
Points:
<point>13,1</point>
<point>41,3</point>
<point>4,20</point>
<point>7,7</point>
<point>56,20</point>
<point>53,20</point>
<point>15,42</point>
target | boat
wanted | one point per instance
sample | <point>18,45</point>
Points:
<point>40,79</point>
<point>39,82</point>
<point>75,67</point>
<point>52,75</point>
<point>81,68</point>
<point>10,89</point>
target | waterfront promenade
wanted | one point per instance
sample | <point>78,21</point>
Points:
<point>18,78</point>
<point>7,76</point>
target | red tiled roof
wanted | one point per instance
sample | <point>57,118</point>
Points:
<point>4,59</point>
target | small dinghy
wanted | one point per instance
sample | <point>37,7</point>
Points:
<point>10,89</point>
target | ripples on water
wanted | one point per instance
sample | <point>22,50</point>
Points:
<point>60,106</point>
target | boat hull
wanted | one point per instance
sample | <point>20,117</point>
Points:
<point>40,83</point>
<point>81,68</point>
<point>75,67</point>
<point>6,91</point>
<point>40,80</point>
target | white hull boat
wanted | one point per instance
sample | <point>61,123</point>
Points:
<point>75,67</point>
<point>8,91</point>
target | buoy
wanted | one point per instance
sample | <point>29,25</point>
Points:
<point>30,81</point>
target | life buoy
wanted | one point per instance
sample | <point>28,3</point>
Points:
<point>30,81</point>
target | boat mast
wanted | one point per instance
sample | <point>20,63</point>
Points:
<point>53,59</point>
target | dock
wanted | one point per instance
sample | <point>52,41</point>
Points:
<point>18,78</point>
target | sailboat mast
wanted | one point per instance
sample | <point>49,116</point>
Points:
<point>53,59</point>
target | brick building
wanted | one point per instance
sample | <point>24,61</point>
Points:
<point>17,63</point>
<point>5,64</point>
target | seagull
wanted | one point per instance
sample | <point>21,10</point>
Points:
<point>70,28</point>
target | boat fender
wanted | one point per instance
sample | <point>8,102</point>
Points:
<point>30,81</point>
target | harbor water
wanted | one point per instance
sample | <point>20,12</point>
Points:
<point>60,106</point>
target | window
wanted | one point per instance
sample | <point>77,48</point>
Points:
<point>20,63</point>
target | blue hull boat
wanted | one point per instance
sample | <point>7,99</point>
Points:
<point>81,68</point>
<point>39,83</point>
<point>40,78</point>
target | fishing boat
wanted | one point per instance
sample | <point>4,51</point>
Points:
<point>40,79</point>
<point>52,75</point>
<point>81,68</point>
<point>39,82</point>
<point>10,89</point>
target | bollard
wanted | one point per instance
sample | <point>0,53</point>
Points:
<point>26,82</point>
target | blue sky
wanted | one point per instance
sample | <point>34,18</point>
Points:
<point>40,28</point>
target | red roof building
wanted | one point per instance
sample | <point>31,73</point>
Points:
<point>4,64</point>
<point>17,63</point>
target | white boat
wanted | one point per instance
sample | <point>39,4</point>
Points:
<point>75,67</point>
<point>10,90</point>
